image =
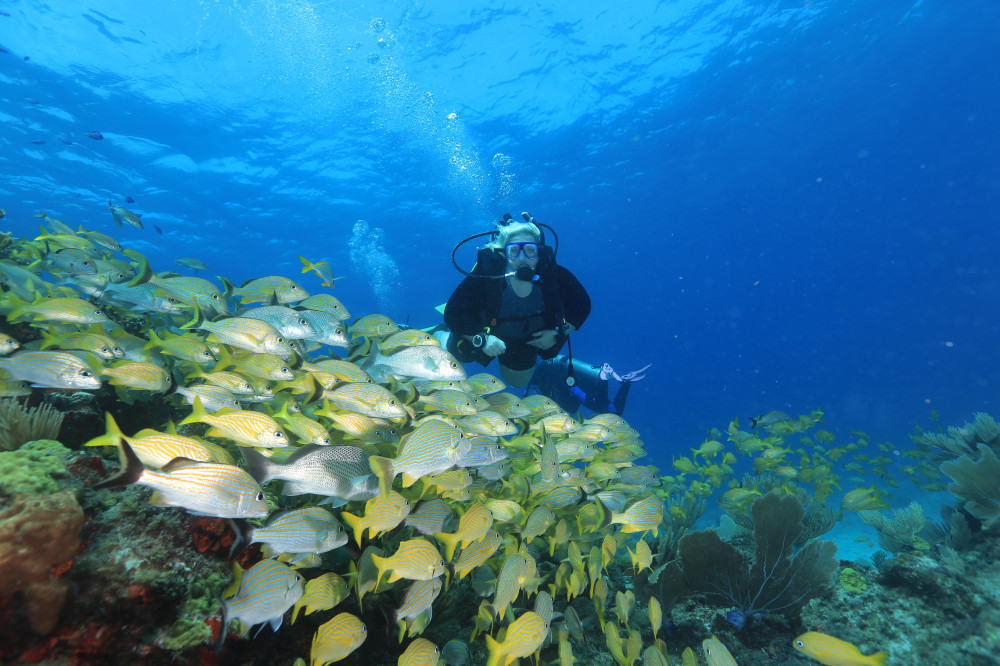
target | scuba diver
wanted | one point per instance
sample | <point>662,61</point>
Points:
<point>590,388</point>
<point>517,304</point>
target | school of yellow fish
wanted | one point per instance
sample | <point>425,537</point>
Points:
<point>489,488</point>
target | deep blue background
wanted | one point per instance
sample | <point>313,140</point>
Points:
<point>781,205</point>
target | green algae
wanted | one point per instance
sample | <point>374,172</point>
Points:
<point>852,581</point>
<point>30,470</point>
<point>203,601</point>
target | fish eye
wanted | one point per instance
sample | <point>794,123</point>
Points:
<point>278,435</point>
<point>281,340</point>
<point>326,440</point>
<point>105,350</point>
<point>800,644</point>
<point>260,496</point>
<point>98,312</point>
<point>392,402</point>
<point>215,297</point>
<point>285,371</point>
<point>85,373</point>
<point>303,322</point>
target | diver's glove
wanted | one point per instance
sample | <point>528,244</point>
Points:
<point>636,375</point>
<point>493,346</point>
<point>607,372</point>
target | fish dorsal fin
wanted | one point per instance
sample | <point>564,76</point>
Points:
<point>179,463</point>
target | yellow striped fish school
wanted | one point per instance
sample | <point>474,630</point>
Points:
<point>200,472</point>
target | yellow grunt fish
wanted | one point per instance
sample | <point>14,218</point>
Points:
<point>832,651</point>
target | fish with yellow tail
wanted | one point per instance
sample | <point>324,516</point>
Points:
<point>688,657</point>
<point>336,639</point>
<point>265,591</point>
<point>640,516</point>
<point>204,489</point>
<point>864,499</point>
<point>524,636</point>
<point>832,651</point>
<point>716,653</point>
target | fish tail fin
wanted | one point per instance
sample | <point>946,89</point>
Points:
<point>383,469</point>
<point>450,542</point>
<point>113,435</point>
<point>224,626</point>
<point>130,472</point>
<point>197,414</point>
<point>196,321</point>
<point>306,264</point>
<point>496,657</point>
<point>379,563</point>
<point>244,537</point>
<point>879,658</point>
<point>259,467</point>
<point>227,287</point>
<point>354,522</point>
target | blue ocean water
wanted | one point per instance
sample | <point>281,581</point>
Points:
<point>781,205</point>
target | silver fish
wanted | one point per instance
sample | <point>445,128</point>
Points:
<point>339,472</point>
<point>50,369</point>
<point>423,362</point>
<point>292,324</point>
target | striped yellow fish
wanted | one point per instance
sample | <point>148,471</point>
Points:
<point>138,375</point>
<point>308,530</point>
<point>418,598</point>
<point>512,575</point>
<point>322,593</point>
<point>640,516</point>
<point>472,526</point>
<point>524,636</point>
<point>185,347</point>
<point>265,289</point>
<point>716,653</point>
<point>245,333</point>
<point>430,516</point>
<point>326,303</point>
<point>421,652</point>
<point>382,512</point>
<point>416,559</point>
<point>336,639</point>
<point>433,447</point>
<point>72,310</point>
<point>49,370</point>
<point>476,554</point>
<point>246,428</point>
<point>207,489</point>
<point>266,591</point>
<point>95,343</point>
<point>7,344</point>
<point>368,399</point>
<point>832,651</point>
<point>373,326</point>
<point>156,449</point>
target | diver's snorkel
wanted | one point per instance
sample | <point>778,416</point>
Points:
<point>524,272</point>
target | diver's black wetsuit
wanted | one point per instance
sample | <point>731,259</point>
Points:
<point>481,305</point>
<point>589,391</point>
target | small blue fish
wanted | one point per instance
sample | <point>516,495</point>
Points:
<point>95,135</point>
<point>37,142</point>
<point>66,141</point>
<point>129,200</point>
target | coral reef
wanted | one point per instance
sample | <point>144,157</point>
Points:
<point>32,469</point>
<point>775,581</point>
<point>977,482</point>
<point>39,537</point>
<point>20,425</point>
